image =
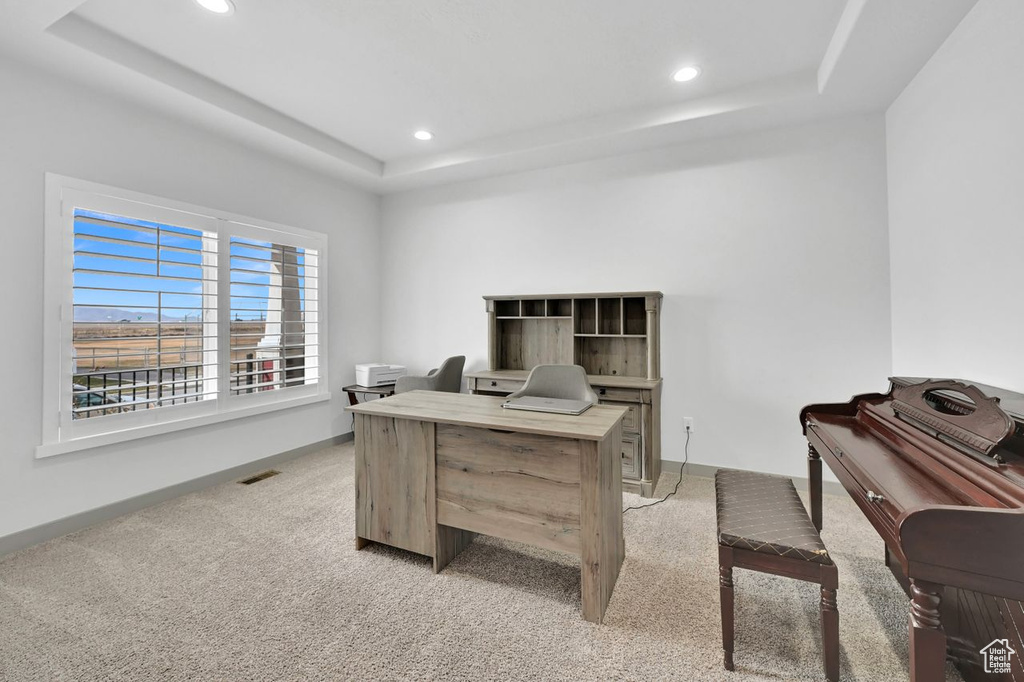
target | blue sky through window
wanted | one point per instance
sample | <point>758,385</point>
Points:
<point>128,269</point>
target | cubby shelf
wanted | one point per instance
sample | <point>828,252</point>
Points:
<point>612,336</point>
<point>605,333</point>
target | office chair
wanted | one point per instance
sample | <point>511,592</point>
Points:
<point>567,382</point>
<point>447,378</point>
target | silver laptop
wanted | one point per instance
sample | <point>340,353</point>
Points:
<point>556,405</point>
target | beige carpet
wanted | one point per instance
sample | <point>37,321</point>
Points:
<point>262,582</point>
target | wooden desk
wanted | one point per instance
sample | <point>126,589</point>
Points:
<point>433,469</point>
<point>614,336</point>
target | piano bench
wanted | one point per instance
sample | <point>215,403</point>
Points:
<point>762,526</point>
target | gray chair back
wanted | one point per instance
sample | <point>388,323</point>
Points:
<point>446,378</point>
<point>567,382</point>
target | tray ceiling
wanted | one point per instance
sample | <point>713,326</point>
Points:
<point>502,85</point>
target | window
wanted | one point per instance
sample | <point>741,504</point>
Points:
<point>169,313</point>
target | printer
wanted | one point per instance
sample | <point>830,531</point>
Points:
<point>378,374</point>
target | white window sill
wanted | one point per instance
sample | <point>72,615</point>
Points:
<point>112,437</point>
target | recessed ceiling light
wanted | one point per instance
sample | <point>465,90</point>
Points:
<point>685,74</point>
<point>423,135</point>
<point>218,6</point>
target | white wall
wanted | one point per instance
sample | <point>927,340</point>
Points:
<point>771,250</point>
<point>47,124</point>
<point>956,204</point>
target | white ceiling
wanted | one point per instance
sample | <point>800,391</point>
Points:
<point>505,86</point>
<point>370,72</point>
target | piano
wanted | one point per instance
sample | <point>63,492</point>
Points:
<point>937,467</point>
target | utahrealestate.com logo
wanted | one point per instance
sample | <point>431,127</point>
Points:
<point>997,656</point>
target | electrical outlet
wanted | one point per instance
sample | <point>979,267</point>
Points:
<point>688,424</point>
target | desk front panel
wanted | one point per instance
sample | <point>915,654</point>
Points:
<point>640,453</point>
<point>517,486</point>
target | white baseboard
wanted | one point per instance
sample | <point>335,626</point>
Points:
<point>708,471</point>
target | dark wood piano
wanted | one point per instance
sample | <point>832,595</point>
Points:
<point>937,467</point>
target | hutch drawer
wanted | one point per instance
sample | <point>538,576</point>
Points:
<point>496,385</point>
<point>631,455</point>
<point>631,422</point>
<point>624,395</point>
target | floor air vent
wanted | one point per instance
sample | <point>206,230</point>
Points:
<point>259,477</point>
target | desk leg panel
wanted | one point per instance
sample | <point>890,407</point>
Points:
<point>450,542</point>
<point>394,480</point>
<point>602,547</point>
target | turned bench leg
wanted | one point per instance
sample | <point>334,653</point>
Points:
<point>830,622</point>
<point>727,594</point>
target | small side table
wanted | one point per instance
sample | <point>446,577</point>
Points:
<point>382,391</point>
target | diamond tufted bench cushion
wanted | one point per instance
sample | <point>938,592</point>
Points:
<point>762,526</point>
<point>763,513</point>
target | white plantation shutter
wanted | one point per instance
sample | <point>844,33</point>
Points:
<point>274,339</point>
<point>144,328</point>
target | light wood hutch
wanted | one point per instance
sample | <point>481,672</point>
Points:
<point>615,337</point>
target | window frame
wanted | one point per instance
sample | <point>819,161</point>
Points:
<point>60,433</point>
